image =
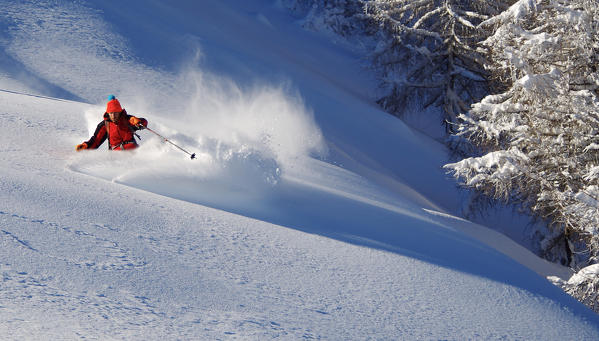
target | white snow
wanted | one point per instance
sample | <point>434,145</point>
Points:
<point>516,12</point>
<point>308,213</point>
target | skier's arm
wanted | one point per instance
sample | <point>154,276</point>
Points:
<point>98,138</point>
<point>137,121</point>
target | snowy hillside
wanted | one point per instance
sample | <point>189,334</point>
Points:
<point>308,213</point>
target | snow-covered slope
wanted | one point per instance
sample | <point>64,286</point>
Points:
<point>308,213</point>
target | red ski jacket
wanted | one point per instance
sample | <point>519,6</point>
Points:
<point>120,134</point>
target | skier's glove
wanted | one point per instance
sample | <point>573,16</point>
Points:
<point>81,146</point>
<point>136,122</point>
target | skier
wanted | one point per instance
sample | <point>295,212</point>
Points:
<point>118,126</point>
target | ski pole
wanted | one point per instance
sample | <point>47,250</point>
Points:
<point>169,141</point>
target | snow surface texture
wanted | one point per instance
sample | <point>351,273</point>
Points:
<point>308,213</point>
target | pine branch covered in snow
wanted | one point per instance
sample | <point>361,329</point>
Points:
<point>431,50</point>
<point>584,286</point>
<point>539,136</point>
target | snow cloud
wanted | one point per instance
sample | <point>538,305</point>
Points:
<point>244,138</point>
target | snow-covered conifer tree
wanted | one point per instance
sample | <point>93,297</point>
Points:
<point>431,50</point>
<point>539,137</point>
